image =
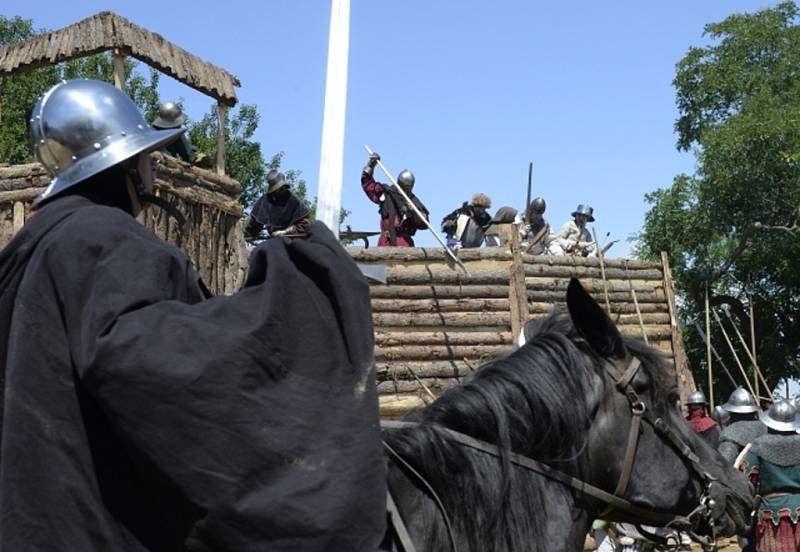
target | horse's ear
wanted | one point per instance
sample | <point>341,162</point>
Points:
<point>592,322</point>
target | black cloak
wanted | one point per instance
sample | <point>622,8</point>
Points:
<point>139,417</point>
<point>278,214</point>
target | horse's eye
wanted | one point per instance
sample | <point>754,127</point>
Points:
<point>674,397</point>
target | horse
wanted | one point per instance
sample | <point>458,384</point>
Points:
<point>578,423</point>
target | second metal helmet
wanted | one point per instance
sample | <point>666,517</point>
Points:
<point>538,205</point>
<point>82,127</point>
<point>170,115</point>
<point>275,181</point>
<point>696,397</point>
<point>406,179</point>
<point>741,402</point>
<point>584,210</point>
<point>781,416</point>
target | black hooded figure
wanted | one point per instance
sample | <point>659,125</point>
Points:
<point>140,415</point>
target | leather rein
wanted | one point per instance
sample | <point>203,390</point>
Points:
<point>614,501</point>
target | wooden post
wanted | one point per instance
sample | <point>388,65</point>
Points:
<point>756,370</point>
<point>733,352</point>
<point>753,340</point>
<point>517,291</point>
<point>602,272</point>
<point>119,68</point>
<point>708,352</point>
<point>1,93</point>
<point>683,373</point>
<point>18,220</point>
<point>222,111</point>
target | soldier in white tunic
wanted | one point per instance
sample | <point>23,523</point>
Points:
<point>574,238</point>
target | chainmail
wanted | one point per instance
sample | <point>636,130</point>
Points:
<point>743,432</point>
<point>782,450</point>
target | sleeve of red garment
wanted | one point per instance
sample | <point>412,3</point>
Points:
<point>371,187</point>
<point>260,407</point>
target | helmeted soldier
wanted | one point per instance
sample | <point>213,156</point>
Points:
<point>773,464</point>
<point>399,222</point>
<point>465,226</point>
<point>278,210</point>
<point>698,417</point>
<point>744,427</point>
<point>139,416</point>
<point>535,231</point>
<point>573,237</point>
<point>171,116</point>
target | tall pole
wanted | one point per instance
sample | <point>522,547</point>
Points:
<point>708,351</point>
<point>331,161</point>
<point>528,201</point>
<point>753,338</point>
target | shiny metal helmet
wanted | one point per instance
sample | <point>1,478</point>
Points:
<point>720,415</point>
<point>82,127</point>
<point>781,416</point>
<point>406,180</point>
<point>275,181</point>
<point>170,115</point>
<point>741,402</point>
<point>538,205</point>
<point>584,210</point>
<point>696,397</point>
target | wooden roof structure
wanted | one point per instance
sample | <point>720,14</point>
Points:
<point>109,31</point>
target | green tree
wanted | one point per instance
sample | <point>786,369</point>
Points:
<point>244,160</point>
<point>734,224</point>
<point>18,93</point>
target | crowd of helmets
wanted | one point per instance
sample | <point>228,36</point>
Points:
<point>781,416</point>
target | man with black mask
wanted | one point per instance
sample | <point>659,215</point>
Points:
<point>399,222</point>
<point>279,210</point>
<point>139,416</point>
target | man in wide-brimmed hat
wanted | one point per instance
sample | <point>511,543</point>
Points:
<point>574,238</point>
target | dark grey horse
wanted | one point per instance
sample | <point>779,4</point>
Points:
<point>555,400</point>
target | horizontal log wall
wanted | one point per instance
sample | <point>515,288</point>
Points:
<point>435,325</point>
<point>212,237</point>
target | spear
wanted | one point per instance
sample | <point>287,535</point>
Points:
<point>528,202</point>
<point>417,212</point>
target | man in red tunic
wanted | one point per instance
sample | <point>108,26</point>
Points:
<point>699,419</point>
<point>399,222</point>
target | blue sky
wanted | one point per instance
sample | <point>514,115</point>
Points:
<point>464,93</point>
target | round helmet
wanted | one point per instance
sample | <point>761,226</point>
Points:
<point>170,115</point>
<point>82,127</point>
<point>275,181</point>
<point>504,215</point>
<point>538,205</point>
<point>406,180</point>
<point>741,402</point>
<point>584,210</point>
<point>696,397</point>
<point>781,416</point>
<point>720,415</point>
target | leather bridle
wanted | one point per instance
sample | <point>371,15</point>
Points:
<point>706,508</point>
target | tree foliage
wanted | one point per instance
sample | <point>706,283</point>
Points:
<point>734,224</point>
<point>18,93</point>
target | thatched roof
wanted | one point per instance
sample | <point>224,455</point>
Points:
<point>106,31</point>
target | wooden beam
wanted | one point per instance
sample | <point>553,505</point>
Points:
<point>684,374</point>
<point>222,111</point>
<point>119,68</point>
<point>517,290</point>
<point>18,217</point>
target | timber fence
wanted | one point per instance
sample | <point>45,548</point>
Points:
<point>434,325</point>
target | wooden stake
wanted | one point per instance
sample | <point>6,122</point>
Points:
<point>602,271</point>
<point>639,314</point>
<point>425,387</point>
<point>756,370</point>
<point>708,352</point>
<point>119,68</point>
<point>733,352</point>
<point>753,336</point>
<point>517,290</point>
<point>222,110</point>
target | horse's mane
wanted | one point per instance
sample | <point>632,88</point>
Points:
<point>533,402</point>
